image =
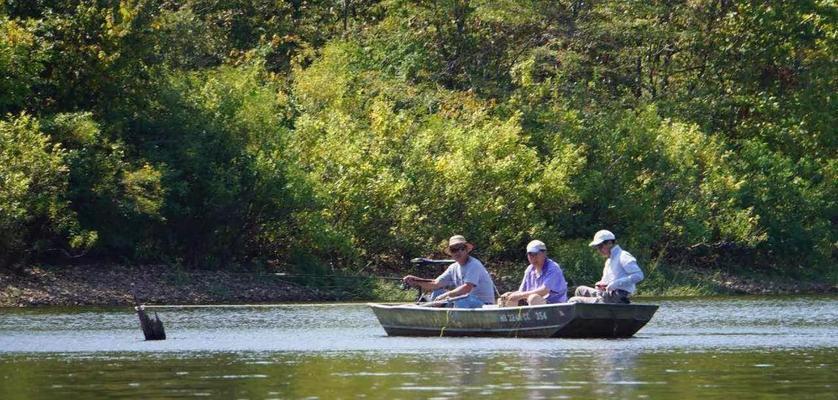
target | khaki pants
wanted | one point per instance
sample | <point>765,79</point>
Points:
<point>533,300</point>
<point>585,294</point>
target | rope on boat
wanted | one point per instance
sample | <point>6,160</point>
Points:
<point>520,319</point>
<point>447,320</point>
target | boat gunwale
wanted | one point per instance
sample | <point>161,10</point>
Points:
<point>449,329</point>
<point>406,319</point>
<point>412,306</point>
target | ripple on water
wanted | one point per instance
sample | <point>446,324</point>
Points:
<point>711,324</point>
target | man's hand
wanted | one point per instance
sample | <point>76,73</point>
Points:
<point>510,298</point>
<point>410,280</point>
<point>504,298</point>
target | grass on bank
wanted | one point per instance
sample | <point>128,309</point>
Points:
<point>326,285</point>
<point>580,266</point>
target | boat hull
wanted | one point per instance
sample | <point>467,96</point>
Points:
<point>552,320</point>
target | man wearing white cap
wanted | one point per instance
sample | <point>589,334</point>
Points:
<point>471,282</point>
<point>619,277</point>
<point>543,281</point>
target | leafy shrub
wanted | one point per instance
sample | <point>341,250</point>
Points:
<point>211,133</point>
<point>396,178</point>
<point>111,196</point>
<point>794,211</point>
<point>21,62</point>
<point>215,138</point>
<point>34,216</point>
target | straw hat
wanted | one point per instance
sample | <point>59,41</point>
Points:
<point>458,240</point>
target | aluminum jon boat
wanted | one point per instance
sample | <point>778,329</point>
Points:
<point>551,320</point>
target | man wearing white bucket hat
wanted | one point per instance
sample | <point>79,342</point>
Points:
<point>619,277</point>
<point>473,287</point>
<point>543,281</point>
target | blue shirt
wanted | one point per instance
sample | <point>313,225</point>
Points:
<point>472,272</point>
<point>551,277</point>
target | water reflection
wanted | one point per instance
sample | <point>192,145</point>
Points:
<point>696,324</point>
<point>544,375</point>
<point>616,374</point>
<point>531,375</point>
<point>698,348</point>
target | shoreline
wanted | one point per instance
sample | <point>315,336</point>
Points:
<point>113,285</point>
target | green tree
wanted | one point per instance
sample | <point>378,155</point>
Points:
<point>216,138</point>
<point>119,198</point>
<point>34,215</point>
<point>21,62</point>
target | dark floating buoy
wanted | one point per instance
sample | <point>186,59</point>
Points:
<point>152,328</point>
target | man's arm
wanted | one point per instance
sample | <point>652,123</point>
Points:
<point>465,288</point>
<point>424,283</point>
<point>601,285</point>
<point>635,275</point>
<point>542,291</point>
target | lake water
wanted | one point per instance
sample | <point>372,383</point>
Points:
<point>700,348</point>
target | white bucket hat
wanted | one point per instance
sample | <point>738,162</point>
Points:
<point>600,237</point>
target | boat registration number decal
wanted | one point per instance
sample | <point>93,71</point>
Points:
<point>538,316</point>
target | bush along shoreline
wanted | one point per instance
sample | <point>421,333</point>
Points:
<point>211,134</point>
<point>111,285</point>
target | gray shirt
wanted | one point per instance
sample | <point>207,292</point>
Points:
<point>472,272</point>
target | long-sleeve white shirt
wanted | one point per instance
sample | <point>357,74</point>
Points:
<point>621,271</point>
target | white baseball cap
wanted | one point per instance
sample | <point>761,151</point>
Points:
<point>535,246</point>
<point>600,237</point>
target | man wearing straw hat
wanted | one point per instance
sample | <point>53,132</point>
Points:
<point>466,275</point>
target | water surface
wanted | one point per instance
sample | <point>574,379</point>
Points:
<point>743,347</point>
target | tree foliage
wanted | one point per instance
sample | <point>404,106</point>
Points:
<point>364,131</point>
<point>34,212</point>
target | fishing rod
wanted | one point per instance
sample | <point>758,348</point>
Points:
<point>416,261</point>
<point>421,261</point>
